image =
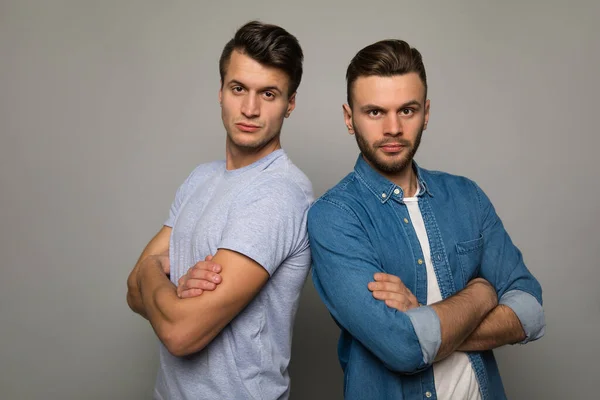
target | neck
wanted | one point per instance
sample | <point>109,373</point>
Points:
<point>406,179</point>
<point>239,157</point>
<point>409,185</point>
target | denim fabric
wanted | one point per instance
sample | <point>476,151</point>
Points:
<point>360,227</point>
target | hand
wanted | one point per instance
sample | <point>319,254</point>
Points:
<point>389,288</point>
<point>486,288</point>
<point>202,276</point>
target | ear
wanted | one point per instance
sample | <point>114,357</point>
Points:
<point>348,118</point>
<point>291,104</point>
<point>221,92</point>
<point>427,104</point>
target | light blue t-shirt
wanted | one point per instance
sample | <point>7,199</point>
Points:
<point>259,211</point>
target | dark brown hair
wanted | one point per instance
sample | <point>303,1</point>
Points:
<point>269,45</point>
<point>385,58</point>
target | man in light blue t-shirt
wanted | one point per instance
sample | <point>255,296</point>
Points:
<point>239,223</point>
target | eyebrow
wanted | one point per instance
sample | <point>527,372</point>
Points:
<point>369,107</point>
<point>263,89</point>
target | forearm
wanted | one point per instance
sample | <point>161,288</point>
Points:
<point>157,295</point>
<point>186,326</point>
<point>461,314</point>
<point>134,297</point>
<point>500,327</point>
<point>157,250</point>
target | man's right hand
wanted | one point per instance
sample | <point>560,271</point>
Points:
<point>202,276</point>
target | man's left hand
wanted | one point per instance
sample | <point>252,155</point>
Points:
<point>390,289</point>
<point>204,276</point>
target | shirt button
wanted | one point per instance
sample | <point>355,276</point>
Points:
<point>427,394</point>
<point>439,257</point>
<point>420,261</point>
<point>396,191</point>
<point>383,195</point>
<point>405,220</point>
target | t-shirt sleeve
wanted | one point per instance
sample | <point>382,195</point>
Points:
<point>181,195</point>
<point>267,223</point>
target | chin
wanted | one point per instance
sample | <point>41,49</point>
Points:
<point>246,143</point>
<point>393,166</point>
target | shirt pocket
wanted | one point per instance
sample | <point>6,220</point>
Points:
<point>469,254</point>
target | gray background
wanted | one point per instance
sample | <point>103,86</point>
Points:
<point>106,106</point>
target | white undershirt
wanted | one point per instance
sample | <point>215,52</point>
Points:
<point>454,376</point>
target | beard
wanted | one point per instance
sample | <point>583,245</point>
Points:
<point>387,164</point>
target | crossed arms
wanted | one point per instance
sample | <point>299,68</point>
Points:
<point>187,325</point>
<point>407,337</point>
<point>459,315</point>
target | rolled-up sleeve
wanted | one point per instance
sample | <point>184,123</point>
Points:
<point>344,262</point>
<point>502,265</point>
<point>426,324</point>
<point>529,312</point>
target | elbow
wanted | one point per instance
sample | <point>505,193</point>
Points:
<point>535,328</point>
<point>419,343</point>
<point>175,345</point>
<point>408,363</point>
<point>133,294</point>
<point>179,342</point>
<point>403,355</point>
<point>529,312</point>
<point>130,301</point>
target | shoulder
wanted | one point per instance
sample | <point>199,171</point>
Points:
<point>205,170</point>
<point>448,183</point>
<point>284,181</point>
<point>202,173</point>
<point>343,198</point>
<point>199,175</point>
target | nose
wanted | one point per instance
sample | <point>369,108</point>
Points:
<point>392,125</point>
<point>251,106</point>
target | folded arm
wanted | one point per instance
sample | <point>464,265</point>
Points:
<point>462,313</point>
<point>186,326</point>
<point>499,327</point>
<point>157,251</point>
<point>264,226</point>
<point>519,317</point>
<point>408,341</point>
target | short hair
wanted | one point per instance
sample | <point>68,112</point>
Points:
<point>270,45</point>
<point>385,58</point>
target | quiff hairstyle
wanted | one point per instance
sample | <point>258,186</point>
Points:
<point>385,58</point>
<point>270,45</point>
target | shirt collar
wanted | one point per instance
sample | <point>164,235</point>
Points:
<point>383,188</point>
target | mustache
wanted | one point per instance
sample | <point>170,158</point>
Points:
<point>385,142</point>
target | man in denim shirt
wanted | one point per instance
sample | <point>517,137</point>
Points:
<point>414,265</point>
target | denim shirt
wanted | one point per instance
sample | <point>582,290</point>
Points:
<point>362,226</point>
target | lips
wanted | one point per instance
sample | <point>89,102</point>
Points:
<point>392,147</point>
<point>247,127</point>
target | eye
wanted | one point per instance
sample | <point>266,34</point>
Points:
<point>269,95</point>
<point>237,89</point>
<point>374,113</point>
<point>407,111</point>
